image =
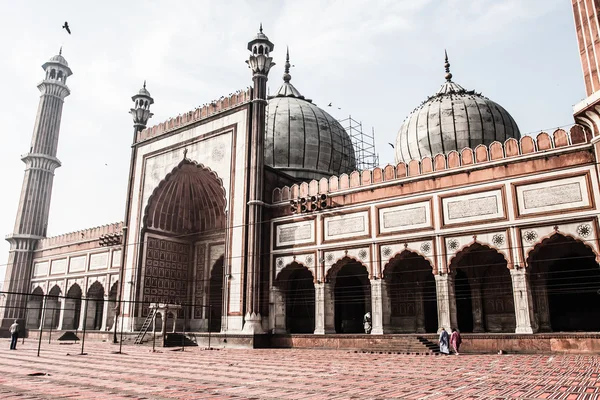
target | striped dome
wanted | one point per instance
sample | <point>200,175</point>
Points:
<point>303,140</point>
<point>452,119</point>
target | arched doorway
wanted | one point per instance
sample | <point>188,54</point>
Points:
<point>215,296</point>
<point>95,306</point>
<point>352,295</point>
<point>483,290</point>
<point>72,313</point>
<point>183,221</point>
<point>52,316</point>
<point>296,283</point>
<point>411,294</point>
<point>565,280</point>
<point>35,303</point>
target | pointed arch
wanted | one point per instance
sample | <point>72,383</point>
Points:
<point>215,294</point>
<point>191,198</point>
<point>553,239</point>
<point>295,284</point>
<point>483,290</point>
<point>564,277</point>
<point>411,301</point>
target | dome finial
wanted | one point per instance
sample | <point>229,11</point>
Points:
<point>447,66</point>
<point>260,29</point>
<point>60,51</point>
<point>286,75</point>
<point>144,84</point>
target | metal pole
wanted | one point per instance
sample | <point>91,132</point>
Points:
<point>42,325</point>
<point>121,341</point>
<point>84,323</point>
<point>154,331</point>
<point>184,323</point>
<point>51,323</point>
<point>209,322</point>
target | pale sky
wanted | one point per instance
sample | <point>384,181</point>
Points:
<point>376,60</point>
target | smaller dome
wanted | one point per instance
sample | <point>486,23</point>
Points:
<point>59,59</point>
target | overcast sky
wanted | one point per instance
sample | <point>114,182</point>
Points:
<point>376,60</point>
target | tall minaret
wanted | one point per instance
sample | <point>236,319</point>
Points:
<point>587,26</point>
<point>40,163</point>
<point>260,63</point>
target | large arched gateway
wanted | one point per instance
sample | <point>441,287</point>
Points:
<point>183,236</point>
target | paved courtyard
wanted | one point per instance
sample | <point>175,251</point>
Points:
<point>287,374</point>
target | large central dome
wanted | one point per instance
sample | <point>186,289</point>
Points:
<point>452,119</point>
<point>303,140</point>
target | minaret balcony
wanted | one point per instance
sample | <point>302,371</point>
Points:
<point>40,161</point>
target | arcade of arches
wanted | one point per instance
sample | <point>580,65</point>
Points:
<point>73,311</point>
<point>184,235</point>
<point>558,291</point>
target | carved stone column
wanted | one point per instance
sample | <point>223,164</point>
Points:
<point>104,313</point>
<point>387,306</point>
<point>446,302</point>
<point>377,307</point>
<point>523,301</point>
<point>61,316</point>
<point>419,310</point>
<point>319,308</point>
<point>542,308</point>
<point>329,308</point>
<point>278,311</point>
<point>477,306</point>
<point>83,314</point>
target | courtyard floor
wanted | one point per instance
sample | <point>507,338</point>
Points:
<point>287,374</point>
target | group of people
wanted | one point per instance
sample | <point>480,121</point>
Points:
<point>450,342</point>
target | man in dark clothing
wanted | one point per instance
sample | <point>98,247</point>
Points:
<point>14,335</point>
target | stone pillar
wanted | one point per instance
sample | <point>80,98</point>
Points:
<point>523,301</point>
<point>83,313</point>
<point>419,310</point>
<point>446,302</point>
<point>542,307</point>
<point>386,301</point>
<point>277,311</point>
<point>175,321</point>
<point>63,303</point>
<point>477,306</point>
<point>163,320</point>
<point>329,308</point>
<point>104,313</point>
<point>377,306</point>
<point>319,308</point>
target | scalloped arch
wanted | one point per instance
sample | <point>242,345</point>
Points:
<point>404,255</point>
<point>191,198</point>
<point>548,239</point>
<point>289,269</point>
<point>340,263</point>
<point>468,249</point>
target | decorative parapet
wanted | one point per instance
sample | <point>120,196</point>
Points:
<point>85,235</point>
<point>482,154</point>
<point>212,108</point>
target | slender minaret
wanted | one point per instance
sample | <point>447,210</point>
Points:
<point>587,24</point>
<point>32,215</point>
<point>260,63</point>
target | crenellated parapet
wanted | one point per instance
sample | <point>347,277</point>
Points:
<point>207,110</point>
<point>85,235</point>
<point>481,155</point>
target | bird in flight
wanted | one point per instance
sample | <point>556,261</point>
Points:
<point>66,26</point>
<point>391,145</point>
<point>329,105</point>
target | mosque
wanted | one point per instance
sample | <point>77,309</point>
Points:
<point>250,217</point>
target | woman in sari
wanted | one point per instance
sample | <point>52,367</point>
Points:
<point>455,340</point>
<point>444,342</point>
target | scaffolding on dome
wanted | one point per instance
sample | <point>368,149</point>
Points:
<point>363,142</point>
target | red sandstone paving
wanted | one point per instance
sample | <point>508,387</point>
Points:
<point>287,374</point>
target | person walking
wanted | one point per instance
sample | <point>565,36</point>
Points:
<point>14,335</point>
<point>455,340</point>
<point>444,339</point>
